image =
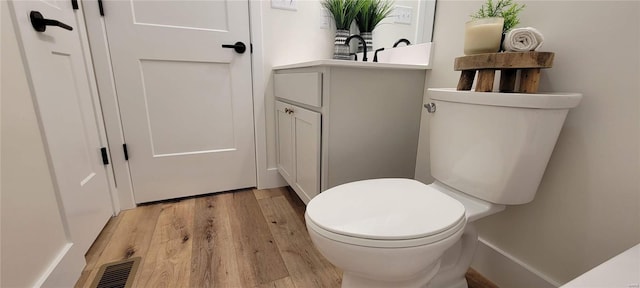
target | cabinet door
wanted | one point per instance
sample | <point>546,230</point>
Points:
<point>284,146</point>
<point>306,137</point>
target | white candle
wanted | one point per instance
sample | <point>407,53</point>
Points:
<point>483,36</point>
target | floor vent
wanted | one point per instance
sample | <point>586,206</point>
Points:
<point>117,274</point>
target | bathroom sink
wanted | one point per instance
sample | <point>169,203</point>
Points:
<point>416,54</point>
<point>412,57</point>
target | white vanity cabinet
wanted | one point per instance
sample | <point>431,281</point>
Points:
<point>341,121</point>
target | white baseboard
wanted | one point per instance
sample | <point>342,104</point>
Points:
<point>505,270</point>
<point>271,179</point>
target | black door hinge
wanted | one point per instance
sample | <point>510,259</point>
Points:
<point>126,152</point>
<point>251,48</point>
<point>100,8</point>
<point>105,157</point>
<point>74,4</point>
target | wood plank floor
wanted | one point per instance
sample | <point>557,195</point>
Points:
<point>246,238</point>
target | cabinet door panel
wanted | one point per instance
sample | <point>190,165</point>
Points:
<point>307,152</point>
<point>284,132</point>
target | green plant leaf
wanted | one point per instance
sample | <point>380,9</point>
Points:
<point>343,11</point>
<point>372,12</point>
<point>506,9</point>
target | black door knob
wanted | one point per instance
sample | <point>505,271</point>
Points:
<point>239,47</point>
<point>40,23</point>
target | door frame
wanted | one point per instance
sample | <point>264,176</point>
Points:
<point>267,177</point>
<point>95,96</point>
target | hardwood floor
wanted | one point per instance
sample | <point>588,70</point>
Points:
<point>245,238</point>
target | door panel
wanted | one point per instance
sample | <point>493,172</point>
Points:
<point>185,101</point>
<point>58,80</point>
<point>307,151</point>
<point>66,95</point>
<point>172,14</point>
<point>298,148</point>
<point>284,130</point>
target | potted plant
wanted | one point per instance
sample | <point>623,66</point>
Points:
<point>371,13</point>
<point>484,33</point>
<point>343,12</point>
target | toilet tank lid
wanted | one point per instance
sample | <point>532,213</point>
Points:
<point>385,209</point>
<point>521,100</point>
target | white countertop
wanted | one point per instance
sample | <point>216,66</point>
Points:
<point>620,271</point>
<point>353,64</point>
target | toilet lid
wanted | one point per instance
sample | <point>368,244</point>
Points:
<point>385,209</point>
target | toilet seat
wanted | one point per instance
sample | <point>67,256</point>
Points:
<point>385,213</point>
<point>386,243</point>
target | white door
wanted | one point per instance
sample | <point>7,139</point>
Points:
<point>185,101</point>
<point>58,79</point>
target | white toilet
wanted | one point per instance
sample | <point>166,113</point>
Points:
<point>487,150</point>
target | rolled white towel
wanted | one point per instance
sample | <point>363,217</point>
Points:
<point>522,39</point>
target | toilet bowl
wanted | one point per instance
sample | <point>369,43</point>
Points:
<point>385,232</point>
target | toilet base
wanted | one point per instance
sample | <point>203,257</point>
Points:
<point>456,261</point>
<point>350,280</point>
<point>460,283</point>
<point>382,267</point>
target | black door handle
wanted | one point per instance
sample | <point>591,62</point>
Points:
<point>239,47</point>
<point>40,23</point>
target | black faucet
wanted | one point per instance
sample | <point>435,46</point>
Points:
<point>364,45</point>
<point>375,55</point>
<point>402,40</point>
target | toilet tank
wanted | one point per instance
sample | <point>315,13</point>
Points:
<point>495,146</point>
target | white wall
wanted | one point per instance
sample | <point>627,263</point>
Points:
<point>31,225</point>
<point>588,205</point>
